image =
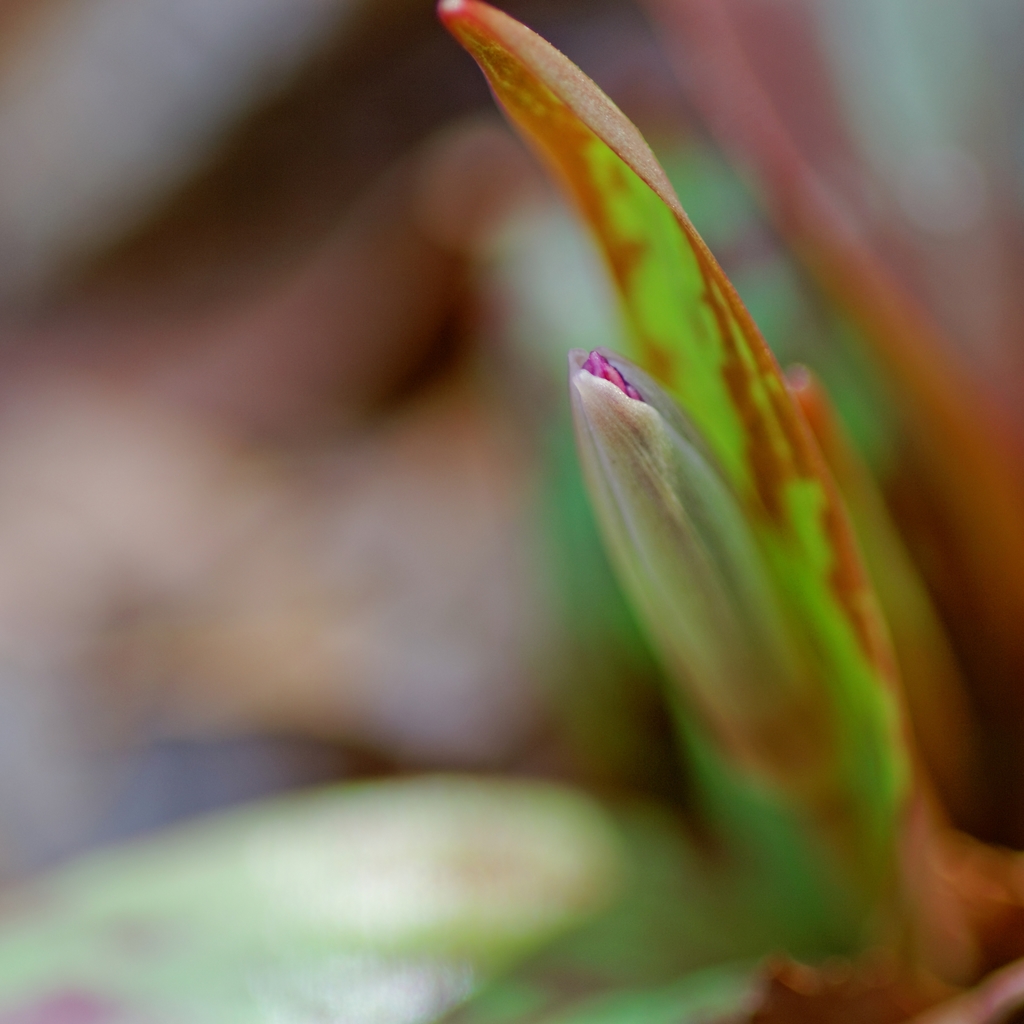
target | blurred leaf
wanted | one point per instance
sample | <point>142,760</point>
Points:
<point>711,994</point>
<point>383,903</point>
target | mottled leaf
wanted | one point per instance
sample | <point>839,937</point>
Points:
<point>939,711</point>
<point>953,480</point>
<point>722,993</point>
<point>689,330</point>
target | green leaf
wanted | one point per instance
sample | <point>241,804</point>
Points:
<point>937,703</point>
<point>952,473</point>
<point>689,330</point>
<point>381,903</point>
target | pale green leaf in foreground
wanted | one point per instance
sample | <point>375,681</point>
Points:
<point>382,903</point>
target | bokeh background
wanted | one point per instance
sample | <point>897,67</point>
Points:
<point>283,314</point>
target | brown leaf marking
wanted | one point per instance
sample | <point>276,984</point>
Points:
<point>847,580</point>
<point>544,117</point>
<point>561,140</point>
<point>769,471</point>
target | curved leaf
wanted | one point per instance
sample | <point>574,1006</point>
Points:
<point>690,331</point>
<point>377,903</point>
<point>953,480</point>
<point>937,703</point>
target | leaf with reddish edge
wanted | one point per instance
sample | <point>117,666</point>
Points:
<point>956,488</point>
<point>690,331</point>
<point>938,707</point>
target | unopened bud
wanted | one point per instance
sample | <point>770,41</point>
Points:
<point>690,563</point>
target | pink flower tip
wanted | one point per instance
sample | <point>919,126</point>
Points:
<point>598,366</point>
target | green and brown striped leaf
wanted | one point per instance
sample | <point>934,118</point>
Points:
<point>690,332</point>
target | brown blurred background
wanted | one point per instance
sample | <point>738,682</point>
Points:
<point>268,453</point>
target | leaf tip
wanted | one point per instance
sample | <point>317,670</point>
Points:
<point>450,10</point>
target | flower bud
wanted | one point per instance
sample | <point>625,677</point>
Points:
<point>689,561</point>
